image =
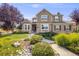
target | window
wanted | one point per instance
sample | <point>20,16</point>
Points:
<point>67,27</point>
<point>27,26</point>
<point>35,20</point>
<point>44,16</point>
<point>57,27</point>
<point>56,18</point>
<point>45,26</point>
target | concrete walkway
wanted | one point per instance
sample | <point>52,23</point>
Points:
<point>62,51</point>
<point>47,41</point>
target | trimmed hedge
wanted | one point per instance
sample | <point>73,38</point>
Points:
<point>42,49</point>
<point>36,39</point>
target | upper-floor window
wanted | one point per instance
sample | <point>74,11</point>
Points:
<point>44,16</point>
<point>56,18</point>
<point>34,20</point>
<point>45,26</point>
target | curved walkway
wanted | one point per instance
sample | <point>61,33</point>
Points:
<point>48,41</point>
<point>60,50</point>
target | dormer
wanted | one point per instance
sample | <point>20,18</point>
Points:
<point>58,17</point>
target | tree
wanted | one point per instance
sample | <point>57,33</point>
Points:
<point>75,16</point>
<point>9,14</point>
<point>8,25</point>
<point>19,27</point>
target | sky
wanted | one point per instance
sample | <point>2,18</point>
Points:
<point>29,10</point>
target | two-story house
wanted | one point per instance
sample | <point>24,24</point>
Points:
<point>44,21</point>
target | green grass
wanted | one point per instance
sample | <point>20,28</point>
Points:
<point>15,36</point>
<point>6,47</point>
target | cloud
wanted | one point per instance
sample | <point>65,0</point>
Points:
<point>35,5</point>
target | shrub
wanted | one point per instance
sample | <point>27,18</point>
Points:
<point>74,39</point>
<point>20,32</point>
<point>42,49</point>
<point>35,39</point>
<point>69,41</point>
<point>47,35</point>
<point>62,39</point>
<point>27,39</point>
<point>75,50</point>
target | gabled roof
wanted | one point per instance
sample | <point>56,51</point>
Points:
<point>42,11</point>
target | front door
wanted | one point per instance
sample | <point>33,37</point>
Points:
<point>33,28</point>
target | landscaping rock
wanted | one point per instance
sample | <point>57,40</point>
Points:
<point>16,44</point>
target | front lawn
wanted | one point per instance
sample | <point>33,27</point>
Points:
<point>14,37</point>
<point>6,44</point>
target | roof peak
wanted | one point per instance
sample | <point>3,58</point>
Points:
<point>44,10</point>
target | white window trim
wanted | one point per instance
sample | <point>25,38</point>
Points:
<point>67,28</point>
<point>34,20</point>
<point>56,19</point>
<point>26,27</point>
<point>44,29</point>
<point>57,28</point>
<point>43,17</point>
